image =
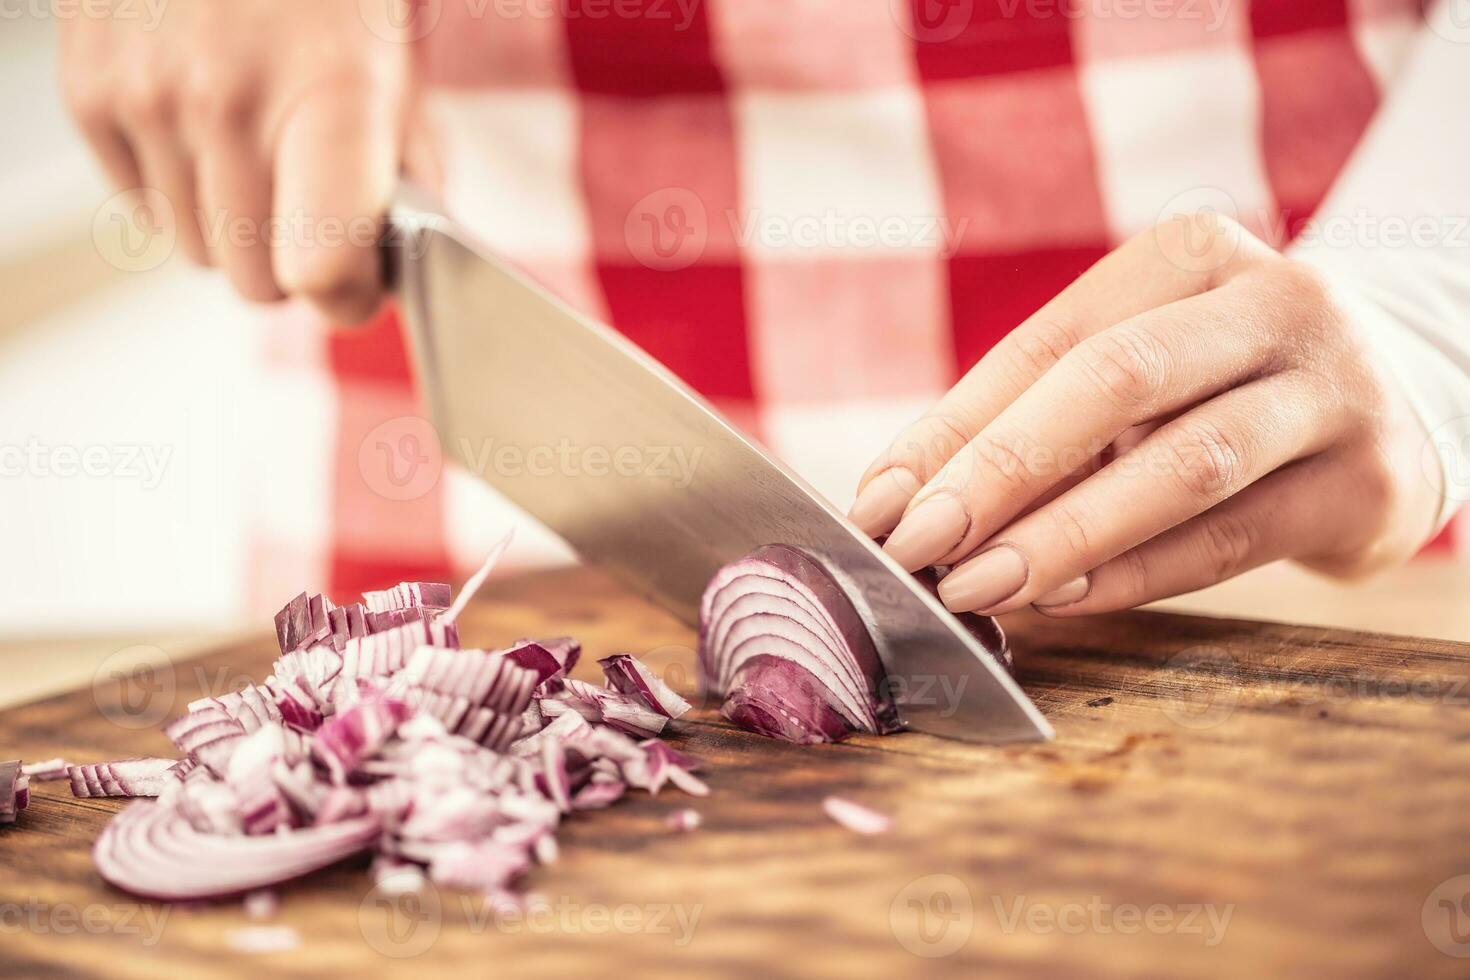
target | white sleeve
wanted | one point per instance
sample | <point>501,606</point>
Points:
<point>1394,236</point>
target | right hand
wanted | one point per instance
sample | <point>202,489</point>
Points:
<point>273,128</point>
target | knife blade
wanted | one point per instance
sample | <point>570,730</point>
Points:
<point>645,479</point>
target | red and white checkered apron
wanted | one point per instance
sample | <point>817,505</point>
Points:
<point>818,212</point>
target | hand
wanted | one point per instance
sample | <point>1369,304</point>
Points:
<point>1193,406</point>
<point>243,112</point>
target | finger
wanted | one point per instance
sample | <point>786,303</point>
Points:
<point>1279,517</point>
<point>1147,367</point>
<point>235,193</point>
<point>169,169</point>
<point>1128,281</point>
<point>91,101</point>
<point>107,141</point>
<point>1188,466</point>
<point>335,166</point>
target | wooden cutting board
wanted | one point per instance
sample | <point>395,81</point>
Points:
<point>1224,799</point>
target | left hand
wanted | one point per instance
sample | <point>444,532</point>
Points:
<point>1176,416</point>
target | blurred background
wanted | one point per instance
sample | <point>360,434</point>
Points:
<point>153,428</point>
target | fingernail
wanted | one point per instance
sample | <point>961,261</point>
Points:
<point>1074,591</point>
<point>929,532</point>
<point>878,508</point>
<point>985,581</point>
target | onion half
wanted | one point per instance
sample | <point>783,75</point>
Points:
<point>782,644</point>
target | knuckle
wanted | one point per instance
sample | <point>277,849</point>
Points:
<point>145,104</point>
<point>1039,347</point>
<point>1003,462</point>
<point>1072,530</point>
<point>87,103</point>
<point>1377,484</point>
<point>1228,542</point>
<point>1301,287</point>
<point>1126,366</point>
<point>1132,572</point>
<point>219,99</point>
<point>1206,233</point>
<point>927,445</point>
<point>1207,462</point>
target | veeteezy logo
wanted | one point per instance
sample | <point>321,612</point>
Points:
<point>149,13</point>
<point>402,916</point>
<point>34,916</point>
<point>139,462</point>
<point>1101,917</point>
<point>674,464</point>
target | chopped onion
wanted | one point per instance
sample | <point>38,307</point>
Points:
<point>856,817</point>
<point>50,771</point>
<point>684,820</point>
<point>14,790</point>
<point>627,675</point>
<point>375,732</point>
<point>126,777</point>
<point>261,905</point>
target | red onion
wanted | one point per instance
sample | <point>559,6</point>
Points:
<point>786,649</point>
<point>126,777</point>
<point>383,735</point>
<point>684,820</point>
<point>150,850</point>
<point>50,771</point>
<point>627,675</point>
<point>11,789</point>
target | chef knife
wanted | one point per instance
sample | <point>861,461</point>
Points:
<point>593,437</point>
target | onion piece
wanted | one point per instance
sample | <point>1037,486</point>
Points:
<point>627,675</point>
<point>600,705</point>
<point>10,790</point>
<point>50,771</point>
<point>151,851</point>
<point>684,820</point>
<point>126,777</point>
<point>357,733</point>
<point>409,595</point>
<point>477,580</point>
<point>856,817</point>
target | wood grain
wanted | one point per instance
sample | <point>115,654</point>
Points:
<point>1306,787</point>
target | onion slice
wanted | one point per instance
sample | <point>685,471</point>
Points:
<point>150,850</point>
